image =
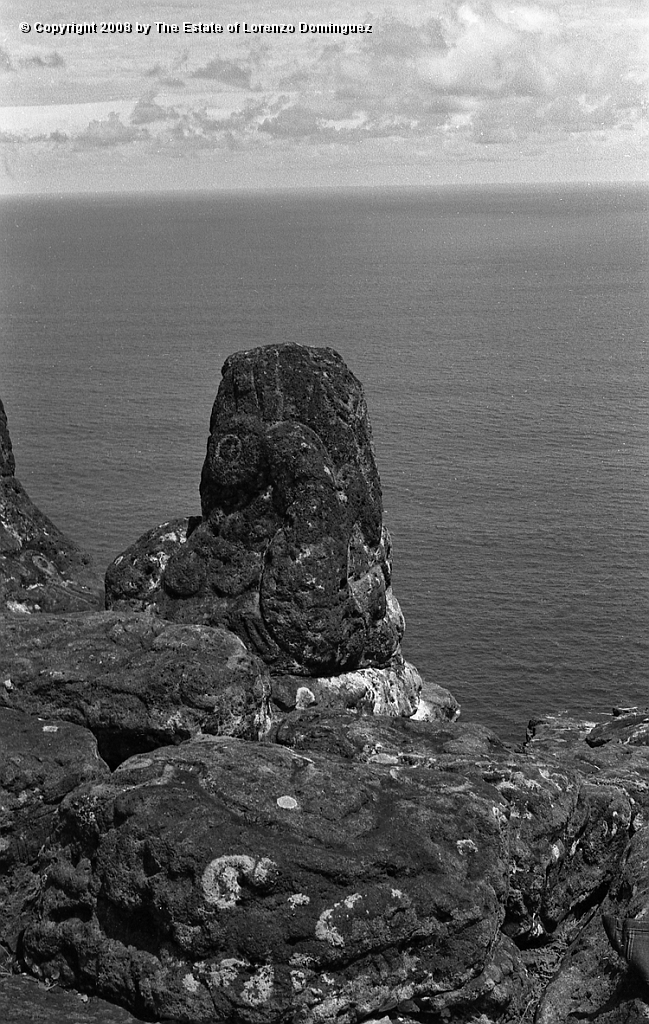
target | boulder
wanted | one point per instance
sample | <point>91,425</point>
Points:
<point>594,976</point>
<point>25,1000</point>
<point>291,887</point>
<point>290,552</point>
<point>135,681</point>
<point>139,682</point>
<point>271,897</point>
<point>396,689</point>
<point>565,833</point>
<point>41,570</point>
<point>41,761</point>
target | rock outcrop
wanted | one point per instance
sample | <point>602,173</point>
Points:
<point>291,887</point>
<point>135,681</point>
<point>41,761</point>
<point>350,865</point>
<point>291,552</point>
<point>41,570</point>
<point>7,460</point>
<point>228,798</point>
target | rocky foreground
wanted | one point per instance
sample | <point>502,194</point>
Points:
<point>228,798</point>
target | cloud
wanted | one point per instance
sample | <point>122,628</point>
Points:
<point>489,70</point>
<point>294,122</point>
<point>225,71</point>
<point>481,77</point>
<point>147,111</point>
<point>109,132</point>
<point>50,60</point>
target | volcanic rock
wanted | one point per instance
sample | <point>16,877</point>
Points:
<point>291,552</point>
<point>7,461</point>
<point>41,570</point>
<point>41,761</point>
<point>291,887</point>
<point>136,681</point>
<point>566,834</point>
<point>25,1000</point>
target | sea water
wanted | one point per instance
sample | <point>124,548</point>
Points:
<point>500,335</point>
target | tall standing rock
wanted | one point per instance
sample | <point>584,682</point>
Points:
<point>290,551</point>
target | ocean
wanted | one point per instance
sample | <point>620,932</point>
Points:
<point>500,335</point>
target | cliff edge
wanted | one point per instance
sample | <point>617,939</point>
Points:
<point>41,569</point>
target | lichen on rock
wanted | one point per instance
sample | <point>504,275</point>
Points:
<point>290,551</point>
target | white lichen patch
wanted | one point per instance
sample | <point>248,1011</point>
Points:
<point>298,899</point>
<point>260,987</point>
<point>465,846</point>
<point>557,851</point>
<point>325,929</point>
<point>349,901</point>
<point>227,972</point>
<point>381,758</point>
<point>176,537</point>
<point>159,562</point>
<point>298,981</point>
<point>304,697</point>
<point>301,960</point>
<point>138,763</point>
<point>499,815</point>
<point>288,803</point>
<point>220,881</point>
<point>190,983</point>
<point>176,719</point>
<point>20,607</point>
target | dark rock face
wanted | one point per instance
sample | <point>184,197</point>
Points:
<point>591,981</point>
<point>291,552</point>
<point>41,761</point>
<point>7,461</point>
<point>41,570</point>
<point>139,682</point>
<point>351,863</point>
<point>135,681</point>
<point>348,865</point>
<point>291,887</point>
<point>25,1000</point>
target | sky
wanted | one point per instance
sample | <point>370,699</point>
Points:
<point>443,92</point>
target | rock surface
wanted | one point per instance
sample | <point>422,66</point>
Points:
<point>348,865</point>
<point>139,682</point>
<point>24,1000</point>
<point>41,570</point>
<point>41,761</point>
<point>136,681</point>
<point>291,552</point>
<point>305,833</point>
<point>291,886</point>
<point>7,461</point>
